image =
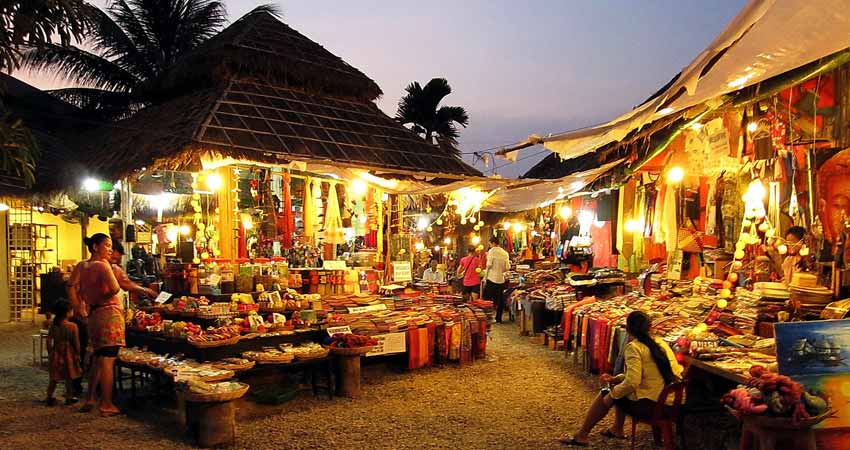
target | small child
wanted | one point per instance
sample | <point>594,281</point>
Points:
<point>63,347</point>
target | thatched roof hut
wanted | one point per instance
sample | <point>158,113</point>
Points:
<point>262,92</point>
<point>51,121</point>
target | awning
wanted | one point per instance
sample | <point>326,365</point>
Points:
<point>527,194</point>
<point>766,39</point>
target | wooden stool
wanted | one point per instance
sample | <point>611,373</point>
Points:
<point>348,375</point>
<point>211,424</point>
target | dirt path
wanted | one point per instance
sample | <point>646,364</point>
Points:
<point>521,397</point>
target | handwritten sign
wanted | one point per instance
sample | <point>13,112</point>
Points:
<point>334,265</point>
<point>388,344</point>
<point>339,330</point>
<point>368,308</point>
<point>402,271</point>
<point>162,298</point>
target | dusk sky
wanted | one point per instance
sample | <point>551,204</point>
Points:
<point>518,67</point>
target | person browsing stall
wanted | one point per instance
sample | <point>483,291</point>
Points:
<point>650,367</point>
<point>471,277</point>
<point>790,264</point>
<point>498,264</point>
<point>124,281</point>
<point>432,274</point>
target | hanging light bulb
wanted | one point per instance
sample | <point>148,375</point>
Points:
<point>565,212</point>
<point>439,221</point>
<point>475,240</point>
<point>463,221</point>
<point>419,246</point>
<point>782,249</point>
<point>359,188</point>
<point>752,127</point>
<point>214,182</point>
<point>722,303</point>
<point>472,219</point>
<point>675,175</point>
<point>422,223</point>
<point>804,251</point>
<point>185,230</point>
<point>447,241</point>
<point>517,227</point>
<point>506,226</point>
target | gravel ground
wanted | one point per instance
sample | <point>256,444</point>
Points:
<point>521,397</point>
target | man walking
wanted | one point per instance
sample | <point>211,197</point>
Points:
<point>498,262</point>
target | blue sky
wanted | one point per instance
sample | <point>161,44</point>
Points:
<point>518,67</point>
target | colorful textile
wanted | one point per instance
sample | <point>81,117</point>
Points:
<point>288,217</point>
<point>64,352</point>
<point>454,339</point>
<point>309,210</point>
<point>333,219</point>
<point>417,348</point>
<point>106,327</point>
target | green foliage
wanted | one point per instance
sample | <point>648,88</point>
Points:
<point>20,150</point>
<point>420,108</point>
<point>131,42</point>
<point>36,23</point>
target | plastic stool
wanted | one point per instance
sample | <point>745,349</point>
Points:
<point>39,339</point>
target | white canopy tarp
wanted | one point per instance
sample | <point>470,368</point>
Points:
<point>529,194</point>
<point>766,39</point>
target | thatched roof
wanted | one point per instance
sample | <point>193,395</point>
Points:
<point>51,121</point>
<point>252,113</point>
<point>261,46</point>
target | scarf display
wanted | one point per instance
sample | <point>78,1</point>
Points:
<point>333,220</point>
<point>288,217</point>
<point>309,210</point>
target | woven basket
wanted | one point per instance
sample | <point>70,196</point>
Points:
<point>235,367</point>
<point>312,355</point>
<point>283,359</point>
<point>212,344</point>
<point>785,423</point>
<point>218,396</point>
<point>355,351</point>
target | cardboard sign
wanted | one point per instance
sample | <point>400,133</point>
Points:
<point>389,343</point>
<point>337,330</point>
<point>402,271</point>
<point>162,298</point>
<point>334,265</point>
<point>369,308</point>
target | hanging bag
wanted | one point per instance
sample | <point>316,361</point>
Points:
<point>689,239</point>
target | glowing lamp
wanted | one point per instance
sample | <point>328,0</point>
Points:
<point>701,328</point>
<point>185,230</point>
<point>475,240</point>
<point>675,175</point>
<point>725,293</point>
<point>436,248</point>
<point>447,241</point>
<point>91,185</point>
<point>782,249</point>
<point>4,207</point>
<point>472,219</point>
<point>733,277</point>
<point>419,246</point>
<point>770,233</point>
<point>480,247</point>
<point>722,303</point>
<point>422,223</point>
<point>565,212</point>
<point>740,245</point>
<point>463,221</point>
<point>632,226</point>
<point>727,284</point>
<point>247,223</point>
<point>214,182</point>
<point>737,265</point>
<point>804,251</point>
<point>752,127</point>
<point>739,254</point>
<point>429,229</point>
<point>506,226</point>
<point>359,188</point>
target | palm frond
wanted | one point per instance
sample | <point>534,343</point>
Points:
<point>453,114</point>
<point>434,92</point>
<point>98,103</point>
<point>79,66</point>
<point>20,150</point>
<point>124,15</point>
<point>112,43</point>
<point>201,20</point>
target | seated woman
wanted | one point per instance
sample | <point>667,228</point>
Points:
<point>650,366</point>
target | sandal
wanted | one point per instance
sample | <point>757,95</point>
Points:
<point>88,407</point>
<point>610,434</point>
<point>571,441</point>
<point>117,412</point>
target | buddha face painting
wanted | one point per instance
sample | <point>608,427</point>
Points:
<point>834,194</point>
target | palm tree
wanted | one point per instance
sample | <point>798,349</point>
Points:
<point>132,43</point>
<point>421,108</point>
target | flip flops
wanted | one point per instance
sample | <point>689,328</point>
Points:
<point>610,435</point>
<point>571,441</point>
<point>110,413</point>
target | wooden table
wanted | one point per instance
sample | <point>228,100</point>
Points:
<point>714,370</point>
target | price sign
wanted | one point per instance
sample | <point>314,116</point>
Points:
<point>369,308</point>
<point>162,298</point>
<point>389,343</point>
<point>402,271</point>
<point>334,265</point>
<point>336,330</point>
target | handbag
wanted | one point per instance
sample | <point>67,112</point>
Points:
<point>689,239</point>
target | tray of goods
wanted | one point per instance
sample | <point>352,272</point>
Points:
<point>234,364</point>
<point>216,337</point>
<point>202,372</point>
<point>201,391</point>
<point>351,344</point>
<point>307,351</point>
<point>269,356</point>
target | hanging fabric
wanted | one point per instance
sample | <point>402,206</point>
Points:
<point>308,210</point>
<point>379,218</point>
<point>333,221</point>
<point>288,218</point>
